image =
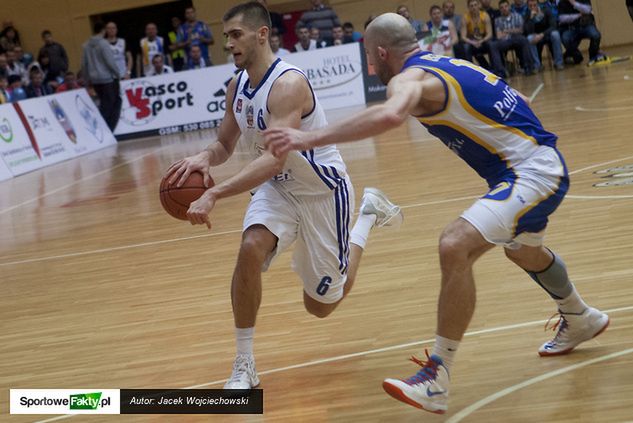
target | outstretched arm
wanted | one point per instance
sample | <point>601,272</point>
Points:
<point>404,92</point>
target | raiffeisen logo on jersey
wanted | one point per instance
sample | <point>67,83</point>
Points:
<point>333,71</point>
<point>6,131</point>
<point>145,101</point>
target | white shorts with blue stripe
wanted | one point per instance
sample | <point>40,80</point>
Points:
<point>319,224</point>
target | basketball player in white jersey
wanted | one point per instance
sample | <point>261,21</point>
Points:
<point>492,128</point>
<point>303,196</point>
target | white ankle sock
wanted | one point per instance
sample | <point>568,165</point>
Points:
<point>244,340</point>
<point>360,231</point>
<point>572,304</point>
<point>445,349</point>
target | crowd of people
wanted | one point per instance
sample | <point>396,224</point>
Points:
<point>484,34</point>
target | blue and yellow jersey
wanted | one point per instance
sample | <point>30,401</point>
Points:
<point>484,120</point>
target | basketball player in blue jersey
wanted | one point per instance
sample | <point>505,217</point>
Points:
<point>305,197</point>
<point>491,127</point>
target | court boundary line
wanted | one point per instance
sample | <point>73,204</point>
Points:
<point>465,412</point>
<point>536,92</point>
<point>366,353</point>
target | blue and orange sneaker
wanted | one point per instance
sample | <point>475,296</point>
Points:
<point>427,389</point>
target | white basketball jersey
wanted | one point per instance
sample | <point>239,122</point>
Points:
<point>311,172</point>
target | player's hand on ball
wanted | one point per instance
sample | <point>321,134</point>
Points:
<point>180,171</point>
<point>199,210</point>
<point>280,141</point>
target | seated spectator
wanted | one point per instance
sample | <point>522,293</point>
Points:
<point>510,36</point>
<point>37,87</point>
<point>15,90</point>
<point>519,7</point>
<point>448,9</point>
<point>540,27</point>
<point>492,12</point>
<point>576,22</point>
<point>70,83</point>
<point>275,45</point>
<point>315,35</point>
<point>350,34</point>
<point>14,67</point>
<point>320,16</point>
<point>159,67</point>
<point>337,35</point>
<point>9,38</point>
<point>305,43</point>
<point>21,57</point>
<point>43,64</point>
<point>58,64</point>
<point>403,11</point>
<point>5,97</point>
<point>552,6</point>
<point>151,45</point>
<point>441,34</point>
<point>476,34</point>
<point>195,61</point>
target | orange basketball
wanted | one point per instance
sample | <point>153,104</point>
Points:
<point>176,200</point>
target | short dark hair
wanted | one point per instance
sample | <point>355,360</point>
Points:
<point>46,32</point>
<point>503,1</point>
<point>348,25</point>
<point>435,6</point>
<point>97,27</point>
<point>253,14</point>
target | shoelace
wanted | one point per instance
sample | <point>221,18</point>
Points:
<point>240,366</point>
<point>561,324</point>
<point>426,373</point>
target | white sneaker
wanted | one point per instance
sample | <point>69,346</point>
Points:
<point>427,389</point>
<point>574,329</point>
<point>244,375</point>
<point>376,202</point>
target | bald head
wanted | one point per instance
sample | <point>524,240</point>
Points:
<point>391,32</point>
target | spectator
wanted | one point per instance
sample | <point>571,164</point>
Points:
<point>403,11</point>
<point>476,34</point>
<point>321,17</point>
<point>552,6</point>
<point>442,35</point>
<point>122,56</point>
<point>37,87</point>
<point>448,7</point>
<point>315,35</point>
<point>337,35</point>
<point>305,43</point>
<point>5,97</point>
<point>22,58</point>
<point>576,22</point>
<point>519,7</point>
<point>177,52</point>
<point>195,33</point>
<point>277,21</point>
<point>151,45</point>
<point>540,27</point>
<point>196,61</point>
<point>510,36</point>
<point>9,38</point>
<point>14,67</point>
<point>57,55</point>
<point>159,67</point>
<point>43,65</point>
<point>275,45</point>
<point>70,83</point>
<point>15,90</point>
<point>350,34</point>
<point>100,70</point>
<point>493,13</point>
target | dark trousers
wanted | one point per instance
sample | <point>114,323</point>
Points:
<point>572,37</point>
<point>516,42</point>
<point>109,102</point>
<point>469,51</point>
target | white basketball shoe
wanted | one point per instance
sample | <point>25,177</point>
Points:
<point>574,329</point>
<point>376,202</point>
<point>427,389</point>
<point>244,375</point>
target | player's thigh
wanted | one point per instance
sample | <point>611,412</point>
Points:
<point>460,239</point>
<point>278,214</point>
<point>321,254</point>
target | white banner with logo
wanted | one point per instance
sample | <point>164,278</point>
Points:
<point>192,100</point>
<point>176,102</point>
<point>65,401</point>
<point>335,73</point>
<point>42,131</point>
<point>5,173</point>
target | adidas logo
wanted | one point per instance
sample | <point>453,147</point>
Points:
<point>219,105</point>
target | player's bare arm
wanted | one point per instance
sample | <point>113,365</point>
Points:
<point>407,94</point>
<point>216,153</point>
<point>289,99</point>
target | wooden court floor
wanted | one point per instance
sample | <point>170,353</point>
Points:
<point>100,288</point>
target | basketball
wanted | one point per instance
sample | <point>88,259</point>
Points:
<point>176,200</point>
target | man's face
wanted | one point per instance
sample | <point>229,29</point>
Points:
<point>379,65</point>
<point>190,14</point>
<point>70,79</point>
<point>111,29</point>
<point>10,56</point>
<point>337,33</point>
<point>533,5</point>
<point>348,31</point>
<point>315,34</point>
<point>304,35</point>
<point>151,31</point>
<point>473,6</point>
<point>274,42</point>
<point>48,38</point>
<point>175,22</point>
<point>448,8</point>
<point>404,12</point>
<point>3,61</point>
<point>37,78</point>
<point>240,41</point>
<point>158,62</point>
<point>436,16</point>
<point>196,53</point>
<point>504,8</point>
<point>19,53</point>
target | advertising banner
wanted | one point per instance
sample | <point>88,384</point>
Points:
<point>375,90</point>
<point>18,148</point>
<point>5,173</point>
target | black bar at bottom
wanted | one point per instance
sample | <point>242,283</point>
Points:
<point>192,401</point>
